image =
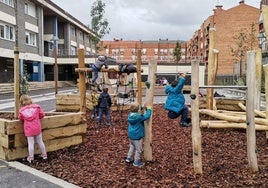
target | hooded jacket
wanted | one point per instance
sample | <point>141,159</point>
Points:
<point>99,63</point>
<point>175,100</point>
<point>31,115</point>
<point>104,100</point>
<point>136,120</point>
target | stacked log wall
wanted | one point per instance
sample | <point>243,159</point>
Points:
<point>59,130</point>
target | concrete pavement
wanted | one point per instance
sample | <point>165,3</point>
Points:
<point>18,175</point>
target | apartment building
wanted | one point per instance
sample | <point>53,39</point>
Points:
<point>126,50</point>
<point>162,50</point>
<point>45,35</point>
<point>227,23</point>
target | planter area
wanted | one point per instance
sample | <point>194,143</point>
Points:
<point>60,130</point>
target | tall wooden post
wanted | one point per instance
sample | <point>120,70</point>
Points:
<point>16,81</point>
<point>196,133</point>
<point>82,80</point>
<point>148,156</point>
<point>139,84</point>
<point>211,68</point>
<point>258,79</point>
<point>265,68</point>
<point>264,10</point>
<point>251,132</point>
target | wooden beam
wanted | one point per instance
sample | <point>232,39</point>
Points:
<point>114,69</point>
<point>229,125</point>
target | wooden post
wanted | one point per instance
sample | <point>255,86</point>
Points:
<point>264,10</point>
<point>196,133</point>
<point>251,134</point>
<point>16,81</point>
<point>265,68</point>
<point>148,156</point>
<point>211,68</point>
<point>139,84</point>
<point>258,79</point>
<point>82,80</point>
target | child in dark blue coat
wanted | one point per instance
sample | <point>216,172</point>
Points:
<point>136,132</point>
<point>175,102</point>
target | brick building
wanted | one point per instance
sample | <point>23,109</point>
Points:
<point>227,23</point>
<point>126,51</point>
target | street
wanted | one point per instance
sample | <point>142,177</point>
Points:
<point>44,97</point>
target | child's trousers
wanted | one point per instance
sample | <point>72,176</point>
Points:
<point>135,146</point>
<point>40,143</point>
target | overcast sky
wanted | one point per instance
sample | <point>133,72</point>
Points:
<point>150,19</point>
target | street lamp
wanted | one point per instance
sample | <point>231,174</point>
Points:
<point>56,72</point>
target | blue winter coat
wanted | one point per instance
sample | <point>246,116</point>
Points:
<point>136,130</point>
<point>175,99</point>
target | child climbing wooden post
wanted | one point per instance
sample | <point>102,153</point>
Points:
<point>149,101</point>
<point>196,133</point>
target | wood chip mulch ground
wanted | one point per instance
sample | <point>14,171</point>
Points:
<point>100,161</point>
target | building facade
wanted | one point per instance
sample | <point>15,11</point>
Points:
<point>126,50</point>
<point>228,24</point>
<point>45,35</point>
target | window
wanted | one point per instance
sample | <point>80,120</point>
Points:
<point>8,2</point>
<point>144,51</point>
<point>73,50</point>
<point>2,31</point>
<point>30,38</point>
<point>81,36</point>
<point>26,8</point>
<point>73,31</point>
<point>30,9</point>
<point>122,51</point>
<point>7,32</point>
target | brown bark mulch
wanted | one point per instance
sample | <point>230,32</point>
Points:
<point>100,161</point>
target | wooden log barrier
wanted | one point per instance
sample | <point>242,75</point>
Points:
<point>218,124</point>
<point>60,130</point>
<point>238,119</point>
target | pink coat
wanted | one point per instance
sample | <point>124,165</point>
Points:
<point>31,115</point>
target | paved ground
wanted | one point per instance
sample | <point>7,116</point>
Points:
<point>17,175</point>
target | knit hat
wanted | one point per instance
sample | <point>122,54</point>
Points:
<point>101,58</point>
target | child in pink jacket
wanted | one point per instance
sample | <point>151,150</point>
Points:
<point>31,115</point>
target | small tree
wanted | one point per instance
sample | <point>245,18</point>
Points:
<point>177,52</point>
<point>244,41</point>
<point>98,23</point>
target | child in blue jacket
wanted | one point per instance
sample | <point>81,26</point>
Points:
<point>136,132</point>
<point>175,102</point>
